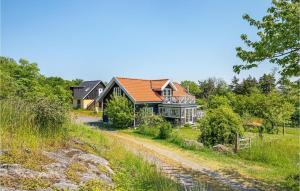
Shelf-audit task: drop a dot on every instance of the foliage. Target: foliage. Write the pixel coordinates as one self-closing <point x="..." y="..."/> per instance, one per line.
<point x="192" y="87"/>
<point x="217" y="101"/>
<point x="267" y="83"/>
<point x="155" y="126"/>
<point x="152" y="131"/>
<point x="49" y="114"/>
<point x="165" y="130"/>
<point x="24" y="80"/>
<point x="246" y="87"/>
<point x="220" y="126"/>
<point x="279" y="38"/>
<point x="120" y="112"/>
<point x="212" y="86"/>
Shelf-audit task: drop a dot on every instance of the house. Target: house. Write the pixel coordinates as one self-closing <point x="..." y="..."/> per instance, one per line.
<point x="85" y="94"/>
<point x="162" y="97"/>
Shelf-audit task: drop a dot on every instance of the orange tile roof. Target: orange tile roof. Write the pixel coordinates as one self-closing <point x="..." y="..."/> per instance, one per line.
<point x="144" y="90"/>
<point x="157" y="84"/>
<point x="181" y="91"/>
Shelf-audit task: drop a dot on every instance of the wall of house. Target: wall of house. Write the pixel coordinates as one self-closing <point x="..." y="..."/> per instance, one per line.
<point x="95" y="92"/>
<point x="85" y="103"/>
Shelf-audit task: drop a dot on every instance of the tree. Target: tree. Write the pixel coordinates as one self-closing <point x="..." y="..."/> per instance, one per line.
<point x="220" y="126"/>
<point x="235" y="86"/>
<point x="217" y="101"/>
<point x="120" y="112"/>
<point x="267" y="83"/>
<point x="279" y="38"/>
<point x="212" y="86"/>
<point x="248" y="85"/>
<point x="24" y="80"/>
<point x="191" y="87"/>
<point x="276" y="111"/>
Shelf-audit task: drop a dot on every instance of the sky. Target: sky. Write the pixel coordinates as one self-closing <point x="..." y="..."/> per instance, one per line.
<point x="150" y="39"/>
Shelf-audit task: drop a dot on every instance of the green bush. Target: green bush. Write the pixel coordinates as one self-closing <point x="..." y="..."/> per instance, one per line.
<point x="150" y="124"/>
<point x="49" y="114"/>
<point x="120" y="112"/>
<point x="155" y="126"/>
<point x="152" y="131"/>
<point x="165" y="130"/>
<point x="219" y="126"/>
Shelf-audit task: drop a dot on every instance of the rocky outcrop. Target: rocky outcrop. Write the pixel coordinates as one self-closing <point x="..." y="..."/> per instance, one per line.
<point x="193" y="144"/>
<point x="222" y="148"/>
<point x="71" y="169"/>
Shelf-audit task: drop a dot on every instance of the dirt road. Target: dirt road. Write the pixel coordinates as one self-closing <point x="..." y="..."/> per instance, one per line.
<point x="178" y="165"/>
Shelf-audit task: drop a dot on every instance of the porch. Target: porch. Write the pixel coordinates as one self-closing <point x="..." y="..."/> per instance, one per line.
<point x="181" y="110"/>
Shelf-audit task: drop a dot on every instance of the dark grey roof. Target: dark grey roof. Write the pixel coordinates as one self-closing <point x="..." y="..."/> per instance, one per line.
<point x="84" y="88"/>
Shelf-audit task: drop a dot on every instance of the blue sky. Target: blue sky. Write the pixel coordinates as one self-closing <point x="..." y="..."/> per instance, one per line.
<point x="94" y="39"/>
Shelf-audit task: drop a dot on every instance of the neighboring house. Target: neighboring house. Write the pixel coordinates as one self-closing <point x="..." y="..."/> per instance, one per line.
<point x="161" y="97"/>
<point x="85" y="94"/>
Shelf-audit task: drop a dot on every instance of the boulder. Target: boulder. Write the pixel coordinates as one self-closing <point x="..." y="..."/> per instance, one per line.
<point x="193" y="144"/>
<point x="221" y="148"/>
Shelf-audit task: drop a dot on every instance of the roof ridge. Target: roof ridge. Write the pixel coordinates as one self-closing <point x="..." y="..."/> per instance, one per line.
<point x="91" y="81"/>
<point x="140" y="79"/>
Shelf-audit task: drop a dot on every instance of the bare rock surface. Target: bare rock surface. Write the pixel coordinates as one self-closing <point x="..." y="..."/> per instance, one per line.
<point x="56" y="173"/>
<point x="221" y="148"/>
<point x="192" y="143"/>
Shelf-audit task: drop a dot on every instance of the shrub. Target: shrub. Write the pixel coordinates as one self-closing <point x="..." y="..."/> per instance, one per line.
<point x="165" y="130"/>
<point x="155" y="126"/>
<point x="152" y="131"/>
<point x="151" y="125"/>
<point x="120" y="112"/>
<point x="219" y="126"/>
<point x="49" y="114"/>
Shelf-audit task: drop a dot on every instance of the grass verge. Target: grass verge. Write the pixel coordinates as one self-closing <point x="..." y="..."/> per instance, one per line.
<point x="274" y="161"/>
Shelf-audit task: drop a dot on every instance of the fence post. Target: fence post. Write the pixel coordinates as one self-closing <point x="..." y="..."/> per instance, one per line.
<point x="249" y="143"/>
<point x="237" y="143"/>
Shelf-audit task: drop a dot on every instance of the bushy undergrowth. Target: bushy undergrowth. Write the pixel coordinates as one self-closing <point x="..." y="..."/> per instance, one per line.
<point x="220" y="126"/>
<point x="155" y="126"/>
<point x="22" y="125"/>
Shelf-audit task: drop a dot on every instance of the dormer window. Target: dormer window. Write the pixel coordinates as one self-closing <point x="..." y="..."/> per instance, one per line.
<point x="167" y="92"/>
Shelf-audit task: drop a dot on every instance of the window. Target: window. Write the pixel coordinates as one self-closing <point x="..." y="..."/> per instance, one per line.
<point x="167" y="92"/>
<point x="117" y="91"/>
<point x="148" y="110"/>
<point x="100" y="90"/>
<point x="161" y="110"/>
<point x="189" y="115"/>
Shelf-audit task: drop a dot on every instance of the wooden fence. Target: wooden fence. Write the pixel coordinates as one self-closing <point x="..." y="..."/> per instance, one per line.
<point x="242" y="143"/>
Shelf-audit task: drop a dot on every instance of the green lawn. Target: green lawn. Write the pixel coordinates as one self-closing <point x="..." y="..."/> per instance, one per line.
<point x="187" y="133"/>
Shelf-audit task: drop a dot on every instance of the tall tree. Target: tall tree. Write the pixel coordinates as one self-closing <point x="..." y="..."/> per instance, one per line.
<point x="212" y="86"/>
<point x="279" y="38"/>
<point x="235" y="86"/>
<point x="248" y="85"/>
<point x="267" y="83"/>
